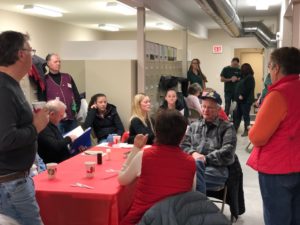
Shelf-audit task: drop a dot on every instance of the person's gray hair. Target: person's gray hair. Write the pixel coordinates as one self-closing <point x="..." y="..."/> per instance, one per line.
<point x="5" y="220"/>
<point x="194" y="88"/>
<point x="55" y="105"/>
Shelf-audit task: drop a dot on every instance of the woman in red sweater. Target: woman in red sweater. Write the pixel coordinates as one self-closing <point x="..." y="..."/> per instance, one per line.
<point x="162" y="170"/>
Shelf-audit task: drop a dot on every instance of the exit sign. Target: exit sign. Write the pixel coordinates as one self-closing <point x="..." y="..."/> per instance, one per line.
<point x="217" y="49"/>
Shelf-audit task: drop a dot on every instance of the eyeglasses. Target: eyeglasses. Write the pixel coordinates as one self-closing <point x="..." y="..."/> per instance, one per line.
<point x="32" y="51"/>
<point x="270" y="65"/>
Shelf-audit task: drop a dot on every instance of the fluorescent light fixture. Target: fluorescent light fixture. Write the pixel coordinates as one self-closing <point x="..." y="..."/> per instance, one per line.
<point x="109" y="27"/>
<point x="164" y="26"/>
<point x="262" y="6"/>
<point x="42" y="11"/>
<point x="121" y="8"/>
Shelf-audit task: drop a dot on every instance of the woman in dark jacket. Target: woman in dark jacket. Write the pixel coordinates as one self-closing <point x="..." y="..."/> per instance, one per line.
<point x="244" y="96"/>
<point x="103" y="118"/>
<point x="171" y="102"/>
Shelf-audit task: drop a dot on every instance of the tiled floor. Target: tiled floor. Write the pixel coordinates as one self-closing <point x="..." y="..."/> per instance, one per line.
<point x="253" y="202"/>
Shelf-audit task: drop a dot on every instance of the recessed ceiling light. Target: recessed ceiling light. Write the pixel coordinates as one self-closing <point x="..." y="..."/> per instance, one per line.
<point x="42" y="11"/>
<point x="121" y="8"/>
<point x="109" y="27"/>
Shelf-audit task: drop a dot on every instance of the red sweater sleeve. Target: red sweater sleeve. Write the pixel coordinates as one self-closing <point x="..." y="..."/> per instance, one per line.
<point x="269" y="117"/>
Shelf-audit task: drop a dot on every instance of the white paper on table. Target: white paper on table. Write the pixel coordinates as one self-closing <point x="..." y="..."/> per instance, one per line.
<point x="103" y="144"/>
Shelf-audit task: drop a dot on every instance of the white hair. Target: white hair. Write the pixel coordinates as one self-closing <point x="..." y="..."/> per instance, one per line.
<point x="55" y="105"/>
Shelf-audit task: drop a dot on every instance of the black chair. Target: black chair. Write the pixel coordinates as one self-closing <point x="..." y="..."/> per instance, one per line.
<point x="190" y="208"/>
<point x="233" y="193"/>
<point x="223" y="200"/>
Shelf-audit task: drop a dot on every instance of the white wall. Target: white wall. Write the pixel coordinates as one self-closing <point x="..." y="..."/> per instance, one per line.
<point x="46" y="35"/>
<point x="211" y="64"/>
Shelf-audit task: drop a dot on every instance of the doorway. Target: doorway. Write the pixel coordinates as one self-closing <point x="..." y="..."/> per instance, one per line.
<point x="255" y="57"/>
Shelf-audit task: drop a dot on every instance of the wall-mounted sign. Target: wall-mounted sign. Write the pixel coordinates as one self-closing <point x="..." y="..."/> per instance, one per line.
<point x="217" y="49"/>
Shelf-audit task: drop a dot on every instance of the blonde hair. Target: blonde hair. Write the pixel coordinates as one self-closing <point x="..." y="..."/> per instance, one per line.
<point x="137" y="111"/>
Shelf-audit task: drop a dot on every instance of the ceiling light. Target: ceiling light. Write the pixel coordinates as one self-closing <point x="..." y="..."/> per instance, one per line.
<point x="109" y="27"/>
<point x="119" y="7"/>
<point x="262" y="5"/>
<point x="42" y="11"/>
<point x="164" y="26"/>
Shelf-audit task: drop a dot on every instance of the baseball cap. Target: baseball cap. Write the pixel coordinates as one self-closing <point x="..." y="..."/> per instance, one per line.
<point x="212" y="95"/>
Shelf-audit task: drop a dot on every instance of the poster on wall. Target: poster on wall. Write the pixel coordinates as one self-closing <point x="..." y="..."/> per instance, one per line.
<point x="217" y="49"/>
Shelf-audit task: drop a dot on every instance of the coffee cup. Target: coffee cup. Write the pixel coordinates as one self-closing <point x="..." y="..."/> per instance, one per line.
<point x="116" y="139"/>
<point x="51" y="170"/>
<point x="38" y="105"/>
<point x="90" y="169"/>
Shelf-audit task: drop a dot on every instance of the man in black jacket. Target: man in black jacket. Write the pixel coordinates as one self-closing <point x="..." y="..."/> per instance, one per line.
<point x="52" y="146"/>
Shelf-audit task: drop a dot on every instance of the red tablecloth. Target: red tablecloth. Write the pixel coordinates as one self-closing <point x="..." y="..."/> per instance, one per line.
<point x="106" y="204"/>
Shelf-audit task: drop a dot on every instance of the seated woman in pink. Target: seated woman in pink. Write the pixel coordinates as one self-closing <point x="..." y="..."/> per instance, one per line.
<point x="162" y="170"/>
<point x="192" y="100"/>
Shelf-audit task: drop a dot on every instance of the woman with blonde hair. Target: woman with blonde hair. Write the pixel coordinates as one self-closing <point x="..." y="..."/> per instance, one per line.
<point x="140" y="121"/>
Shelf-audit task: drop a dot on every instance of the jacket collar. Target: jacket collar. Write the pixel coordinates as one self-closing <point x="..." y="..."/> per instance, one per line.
<point x="285" y="79"/>
<point x="216" y="122"/>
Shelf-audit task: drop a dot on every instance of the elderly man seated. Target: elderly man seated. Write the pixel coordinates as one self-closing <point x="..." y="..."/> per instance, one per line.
<point x="212" y="141"/>
<point x="52" y="146"/>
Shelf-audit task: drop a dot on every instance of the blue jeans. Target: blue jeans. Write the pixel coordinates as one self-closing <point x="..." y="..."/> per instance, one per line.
<point x="67" y="125"/>
<point x="200" y="184"/>
<point x="17" y="200"/>
<point x="215" y="177"/>
<point x="281" y="198"/>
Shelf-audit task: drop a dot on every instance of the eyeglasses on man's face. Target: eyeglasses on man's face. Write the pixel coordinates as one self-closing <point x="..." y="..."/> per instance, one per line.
<point x="270" y="65"/>
<point x="32" y="51"/>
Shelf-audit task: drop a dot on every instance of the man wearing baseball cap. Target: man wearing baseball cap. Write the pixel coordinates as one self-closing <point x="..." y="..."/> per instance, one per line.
<point x="212" y="141"/>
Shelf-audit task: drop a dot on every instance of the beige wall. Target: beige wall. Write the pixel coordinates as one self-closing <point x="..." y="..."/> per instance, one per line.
<point x="211" y="64"/>
<point x="116" y="79"/>
<point x="46" y="35"/>
<point x="76" y="68"/>
<point x="49" y="36"/>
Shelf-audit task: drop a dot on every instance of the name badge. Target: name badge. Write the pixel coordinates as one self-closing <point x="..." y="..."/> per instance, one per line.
<point x="69" y="85"/>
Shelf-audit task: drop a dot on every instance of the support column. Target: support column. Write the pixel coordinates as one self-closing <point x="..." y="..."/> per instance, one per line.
<point x="184" y="38"/>
<point x="141" y="58"/>
<point x="296" y="25"/>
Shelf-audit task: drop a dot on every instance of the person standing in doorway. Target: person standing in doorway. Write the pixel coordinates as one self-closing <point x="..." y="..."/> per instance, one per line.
<point x="230" y="75"/>
<point x="61" y="86"/>
<point x="244" y="96"/>
<point x="18" y="131"/>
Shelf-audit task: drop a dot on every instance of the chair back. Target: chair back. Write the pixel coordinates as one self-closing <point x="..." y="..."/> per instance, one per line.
<point x="183" y="209"/>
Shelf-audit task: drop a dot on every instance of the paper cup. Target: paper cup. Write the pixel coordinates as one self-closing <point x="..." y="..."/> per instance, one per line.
<point x="90" y="169"/>
<point x="117" y="139"/>
<point x="37" y="106"/>
<point x="51" y="170"/>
